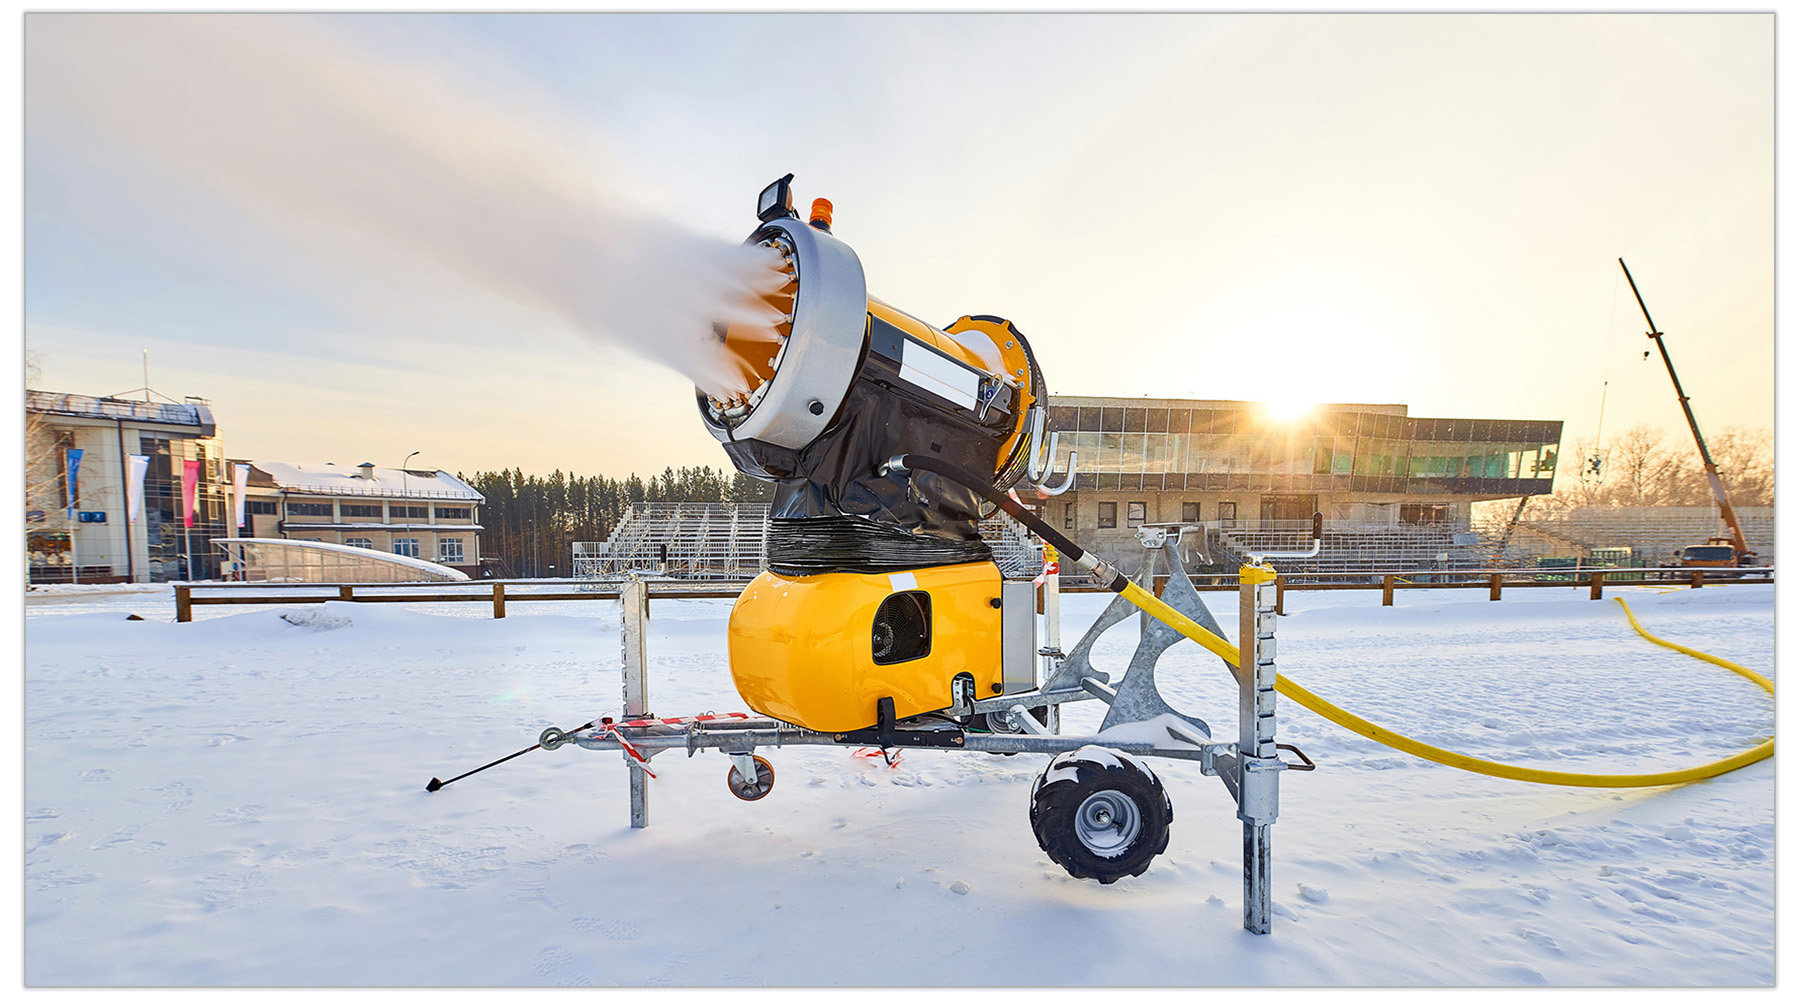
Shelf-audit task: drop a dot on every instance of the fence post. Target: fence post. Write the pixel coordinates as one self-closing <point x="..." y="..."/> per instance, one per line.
<point x="1596" y="581"/>
<point x="1494" y="586"/>
<point x="344" y="592"/>
<point x="634" y="599"/>
<point x="1696" y="581"/>
<point x="1281" y="595"/>
<point x="184" y="603"/>
<point x="1387" y="591"/>
<point x="499" y="599"/>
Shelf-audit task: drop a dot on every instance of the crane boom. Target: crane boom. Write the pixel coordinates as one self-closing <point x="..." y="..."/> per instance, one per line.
<point x="1712" y="470"/>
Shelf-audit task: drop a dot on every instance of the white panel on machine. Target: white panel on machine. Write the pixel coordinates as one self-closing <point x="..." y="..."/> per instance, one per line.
<point x="935" y="373"/>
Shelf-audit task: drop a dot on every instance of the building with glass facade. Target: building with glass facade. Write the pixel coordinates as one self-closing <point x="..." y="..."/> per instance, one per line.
<point x="1230" y="465"/>
<point x="97" y="538"/>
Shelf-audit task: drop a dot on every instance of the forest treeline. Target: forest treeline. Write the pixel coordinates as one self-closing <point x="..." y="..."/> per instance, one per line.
<point x="531" y="521"/>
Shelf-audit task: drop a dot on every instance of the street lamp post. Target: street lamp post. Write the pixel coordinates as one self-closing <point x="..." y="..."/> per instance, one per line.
<point x="406" y="499"/>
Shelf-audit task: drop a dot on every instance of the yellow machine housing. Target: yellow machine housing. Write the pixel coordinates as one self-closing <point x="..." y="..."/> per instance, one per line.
<point x="809" y="649"/>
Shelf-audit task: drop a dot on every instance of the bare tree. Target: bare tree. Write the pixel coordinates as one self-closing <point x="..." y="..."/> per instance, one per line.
<point x="1641" y="468"/>
<point x="1746" y="461"/>
<point x="43" y="454"/>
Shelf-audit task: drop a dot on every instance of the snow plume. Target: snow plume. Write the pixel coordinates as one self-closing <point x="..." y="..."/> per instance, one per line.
<point x="385" y="171"/>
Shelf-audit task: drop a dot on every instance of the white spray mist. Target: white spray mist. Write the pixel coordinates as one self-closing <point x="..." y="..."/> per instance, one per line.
<point x="374" y="167"/>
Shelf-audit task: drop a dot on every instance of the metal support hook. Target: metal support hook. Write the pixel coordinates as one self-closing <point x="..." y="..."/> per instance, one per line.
<point x="1035" y="472"/>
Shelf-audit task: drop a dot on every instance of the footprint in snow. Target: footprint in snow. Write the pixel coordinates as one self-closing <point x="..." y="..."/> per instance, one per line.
<point x="552" y="960"/>
<point x="97" y="774"/>
<point x="617" y="930"/>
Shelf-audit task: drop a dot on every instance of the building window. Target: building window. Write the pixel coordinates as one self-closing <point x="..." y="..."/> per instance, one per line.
<point x="359" y="543"/>
<point x="450" y="550"/>
<point x="260" y="507"/>
<point x="1069" y="515"/>
<point x="1416" y="513"/>
<point x="406" y="547"/>
<point x="453" y="513"/>
<point x="409" y="513"/>
<point x="1109" y="514"/>
<point x="1227" y="513"/>
<point x="1190" y="512"/>
<point x="360" y="510"/>
<point x="309" y="510"/>
<point x="1134" y="513"/>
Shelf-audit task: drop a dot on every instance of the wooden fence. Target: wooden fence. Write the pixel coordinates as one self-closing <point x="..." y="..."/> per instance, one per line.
<point x="189" y="595"/>
<point x="1494" y="581"/>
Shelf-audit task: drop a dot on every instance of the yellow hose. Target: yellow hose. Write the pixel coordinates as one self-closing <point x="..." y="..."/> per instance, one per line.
<point x="1363" y="727"/>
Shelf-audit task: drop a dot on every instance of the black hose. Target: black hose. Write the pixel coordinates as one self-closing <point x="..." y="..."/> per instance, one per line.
<point x="1109" y="576"/>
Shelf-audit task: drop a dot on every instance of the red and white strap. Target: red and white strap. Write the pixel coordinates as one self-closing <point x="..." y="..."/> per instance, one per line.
<point x="612" y="730"/>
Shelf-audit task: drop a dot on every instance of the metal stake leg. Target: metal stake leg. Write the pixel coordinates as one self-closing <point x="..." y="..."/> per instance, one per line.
<point x="1258" y="758"/>
<point x="634" y="614"/>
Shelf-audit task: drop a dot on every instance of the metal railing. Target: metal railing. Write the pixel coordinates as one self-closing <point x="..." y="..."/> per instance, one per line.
<point x="694" y="541"/>
<point x="108" y="408"/>
<point x="190" y="595"/>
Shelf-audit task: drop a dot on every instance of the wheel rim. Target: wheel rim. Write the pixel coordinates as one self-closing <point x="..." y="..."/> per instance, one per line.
<point x="1107" y="823"/>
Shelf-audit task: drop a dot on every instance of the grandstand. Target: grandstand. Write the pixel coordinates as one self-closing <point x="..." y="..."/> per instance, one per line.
<point x="1653" y="534"/>
<point x="724" y="541"/>
<point x="688" y="541"/>
<point x="1345" y="547"/>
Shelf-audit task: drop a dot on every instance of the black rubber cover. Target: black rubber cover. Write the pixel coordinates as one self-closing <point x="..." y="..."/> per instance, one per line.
<point x="802" y="546"/>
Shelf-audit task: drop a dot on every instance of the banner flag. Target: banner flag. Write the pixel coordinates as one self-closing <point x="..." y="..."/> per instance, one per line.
<point x="135" y="467"/>
<point x="241" y="481"/>
<point x="190" y="486"/>
<point x="74" y="469"/>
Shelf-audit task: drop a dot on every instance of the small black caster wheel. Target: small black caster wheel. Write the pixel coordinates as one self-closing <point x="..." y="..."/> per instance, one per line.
<point x="765" y="780"/>
<point x="1101" y="814"/>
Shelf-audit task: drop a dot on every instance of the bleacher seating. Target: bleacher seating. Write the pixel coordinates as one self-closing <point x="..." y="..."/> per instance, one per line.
<point x="709" y="541"/>
<point x="725" y="542"/>
<point x="1349" y="547"/>
<point x="689" y="541"/>
<point x="1652" y="533"/>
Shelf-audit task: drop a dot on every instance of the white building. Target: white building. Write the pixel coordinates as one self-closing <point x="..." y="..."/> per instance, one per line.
<point x="422" y="513"/>
<point x="94" y="540"/>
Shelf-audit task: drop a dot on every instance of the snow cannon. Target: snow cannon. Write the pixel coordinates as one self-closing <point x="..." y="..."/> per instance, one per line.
<point x="881" y="601"/>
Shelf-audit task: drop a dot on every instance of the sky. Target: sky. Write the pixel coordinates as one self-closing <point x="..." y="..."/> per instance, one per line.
<point x="486" y="237"/>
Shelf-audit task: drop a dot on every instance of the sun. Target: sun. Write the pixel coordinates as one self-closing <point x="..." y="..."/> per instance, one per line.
<point x="1287" y="409"/>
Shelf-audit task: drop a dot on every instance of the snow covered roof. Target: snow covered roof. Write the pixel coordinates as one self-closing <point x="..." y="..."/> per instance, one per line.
<point x="347" y="480"/>
<point x="403" y="526"/>
<point x="194" y="413"/>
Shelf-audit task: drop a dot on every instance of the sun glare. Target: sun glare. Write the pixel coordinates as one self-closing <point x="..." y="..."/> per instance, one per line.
<point x="1287" y="410"/>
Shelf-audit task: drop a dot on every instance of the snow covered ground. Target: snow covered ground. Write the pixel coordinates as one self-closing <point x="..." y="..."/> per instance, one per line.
<point x="240" y="801"/>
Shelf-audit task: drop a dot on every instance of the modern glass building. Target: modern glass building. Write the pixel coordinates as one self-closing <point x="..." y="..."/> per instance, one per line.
<point x="1229" y="464"/>
<point x="99" y="532"/>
